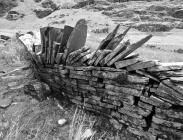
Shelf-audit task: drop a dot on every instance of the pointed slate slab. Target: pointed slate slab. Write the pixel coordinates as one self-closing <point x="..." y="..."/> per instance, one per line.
<point x="116" y="51"/>
<point x="77" y="39"/>
<point x="46" y="37"/>
<point x="78" y="36"/>
<point x="129" y="50"/>
<point x="107" y="40"/>
<point x="43" y="42"/>
<point x="115" y="41"/>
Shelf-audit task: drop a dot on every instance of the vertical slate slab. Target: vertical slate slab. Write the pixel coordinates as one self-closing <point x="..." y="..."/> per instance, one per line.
<point x="66" y="34"/>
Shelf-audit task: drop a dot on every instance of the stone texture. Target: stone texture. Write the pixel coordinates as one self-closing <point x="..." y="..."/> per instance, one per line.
<point x="43" y="12"/>
<point x="4" y="103"/>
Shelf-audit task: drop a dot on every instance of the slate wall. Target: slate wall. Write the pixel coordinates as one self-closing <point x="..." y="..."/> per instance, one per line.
<point x="145" y="107"/>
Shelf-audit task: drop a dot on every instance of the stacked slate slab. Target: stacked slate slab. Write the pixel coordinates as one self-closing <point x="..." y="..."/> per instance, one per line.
<point x="143" y="96"/>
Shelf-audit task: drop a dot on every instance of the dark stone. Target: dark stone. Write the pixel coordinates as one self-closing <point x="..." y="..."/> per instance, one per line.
<point x="14" y="15"/>
<point x="43" y="12"/>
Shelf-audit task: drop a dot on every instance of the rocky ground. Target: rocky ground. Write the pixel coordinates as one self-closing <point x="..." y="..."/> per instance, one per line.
<point x="164" y="19"/>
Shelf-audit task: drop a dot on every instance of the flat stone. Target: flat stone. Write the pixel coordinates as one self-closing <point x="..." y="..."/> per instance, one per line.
<point x="138" y="79"/>
<point x="169" y="113"/>
<point x="141" y="65"/>
<point x="169" y="93"/>
<point x="145" y="105"/>
<point x="170" y="132"/>
<point x="125" y="63"/>
<point x="136" y="110"/>
<point x="125" y="90"/>
<point x="166" y="123"/>
<point x="129" y="113"/>
<point x="124" y="84"/>
<point x="4" y="103"/>
<point x="152" y="100"/>
<point x="130" y="118"/>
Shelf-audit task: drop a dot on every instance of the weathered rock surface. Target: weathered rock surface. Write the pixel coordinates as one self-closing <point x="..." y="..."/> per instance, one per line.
<point x="14" y="15"/>
<point x="4" y="103"/>
<point x="43" y="12"/>
<point x="5" y="6"/>
<point x="49" y="4"/>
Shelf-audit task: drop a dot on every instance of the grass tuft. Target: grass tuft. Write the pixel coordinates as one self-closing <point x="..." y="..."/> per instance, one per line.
<point x="81" y="127"/>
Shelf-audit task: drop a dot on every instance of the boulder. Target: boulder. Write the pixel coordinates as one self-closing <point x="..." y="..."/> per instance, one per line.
<point x="14" y="15"/>
<point x="43" y="12"/>
<point x="49" y="4"/>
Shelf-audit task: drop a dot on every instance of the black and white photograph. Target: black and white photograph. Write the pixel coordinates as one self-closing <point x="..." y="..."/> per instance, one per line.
<point x="91" y="69"/>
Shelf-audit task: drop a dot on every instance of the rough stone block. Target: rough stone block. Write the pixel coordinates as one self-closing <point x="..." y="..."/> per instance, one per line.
<point x="107" y="74"/>
<point x="124" y="90"/>
<point x="136" y="109"/>
<point x="155" y="101"/>
<point x="145" y="105"/>
<point x="166" y="123"/>
<point x="110" y="101"/>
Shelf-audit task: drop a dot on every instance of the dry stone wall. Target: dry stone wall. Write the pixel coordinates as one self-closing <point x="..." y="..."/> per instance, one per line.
<point x="144" y="106"/>
<point x="145" y="97"/>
